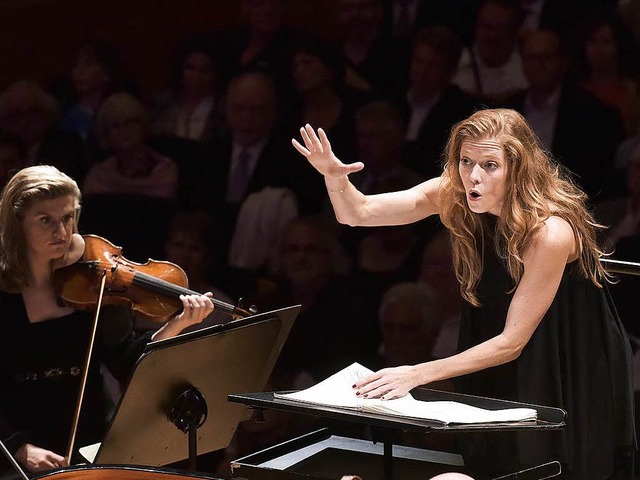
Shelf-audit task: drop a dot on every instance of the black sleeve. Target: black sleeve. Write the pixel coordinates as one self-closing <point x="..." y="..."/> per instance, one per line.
<point x="119" y="346"/>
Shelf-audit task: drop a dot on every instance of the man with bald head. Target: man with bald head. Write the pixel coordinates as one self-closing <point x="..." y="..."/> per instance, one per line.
<point x="250" y="156"/>
<point x="579" y="130"/>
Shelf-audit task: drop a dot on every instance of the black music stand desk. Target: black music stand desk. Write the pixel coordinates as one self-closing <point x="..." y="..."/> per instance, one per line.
<point x="175" y="405"/>
<point x="313" y="455"/>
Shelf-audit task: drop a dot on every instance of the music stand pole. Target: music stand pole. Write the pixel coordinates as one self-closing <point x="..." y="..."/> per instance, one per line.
<point x="189" y="412"/>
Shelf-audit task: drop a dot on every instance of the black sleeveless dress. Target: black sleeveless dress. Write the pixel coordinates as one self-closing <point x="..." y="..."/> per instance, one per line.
<point x="578" y="359"/>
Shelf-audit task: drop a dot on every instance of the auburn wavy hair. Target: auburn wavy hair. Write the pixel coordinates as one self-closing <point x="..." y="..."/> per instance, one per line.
<point x="27" y="186"/>
<point x="537" y="187"/>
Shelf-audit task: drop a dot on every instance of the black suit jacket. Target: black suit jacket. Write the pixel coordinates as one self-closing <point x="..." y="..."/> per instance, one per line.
<point x="424" y="155"/>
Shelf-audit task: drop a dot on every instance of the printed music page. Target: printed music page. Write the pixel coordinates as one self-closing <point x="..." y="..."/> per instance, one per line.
<point x="337" y="391"/>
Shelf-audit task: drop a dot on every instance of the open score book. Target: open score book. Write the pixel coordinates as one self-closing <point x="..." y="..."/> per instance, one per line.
<point x="337" y="391"/>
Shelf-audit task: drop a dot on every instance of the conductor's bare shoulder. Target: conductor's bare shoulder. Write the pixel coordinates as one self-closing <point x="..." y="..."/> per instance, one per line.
<point x="556" y="237"/>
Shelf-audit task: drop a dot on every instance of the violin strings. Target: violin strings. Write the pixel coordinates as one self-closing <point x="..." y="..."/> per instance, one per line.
<point x="162" y="286"/>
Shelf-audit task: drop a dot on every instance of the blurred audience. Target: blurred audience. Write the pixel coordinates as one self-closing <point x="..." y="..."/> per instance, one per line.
<point x="30" y="113"/>
<point x="380" y="129"/>
<point x="263" y="41"/>
<point x="437" y="272"/>
<point x="374" y="59"/>
<point x="491" y="68"/>
<point x="312" y="273"/>
<point x="606" y="64"/>
<point x="191" y="243"/>
<point x="563" y="115"/>
<point x="622" y="214"/>
<point x="11" y="156"/>
<point x="194" y="108"/>
<point x="95" y="74"/>
<point x="323" y="98"/>
<point x="432" y="102"/>
<point x="410" y="320"/>
<point x="404" y="18"/>
<point x="133" y="168"/>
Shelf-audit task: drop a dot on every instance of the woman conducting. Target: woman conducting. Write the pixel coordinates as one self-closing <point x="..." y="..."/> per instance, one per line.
<point x="539" y="325"/>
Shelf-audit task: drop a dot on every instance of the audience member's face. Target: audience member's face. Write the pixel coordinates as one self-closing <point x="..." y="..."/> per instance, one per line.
<point x="430" y="73"/>
<point x="542" y="62"/>
<point x="251" y="110"/>
<point x="125" y="133"/>
<point x="305" y="256"/>
<point x="24" y="117"/>
<point x="406" y="337"/>
<point x="88" y="74"/>
<point x="264" y="16"/>
<point x="496" y="34"/>
<point x="601" y="49"/>
<point x="309" y="73"/>
<point x="187" y="250"/>
<point x="378" y="142"/>
<point x="358" y="18"/>
<point x="198" y="74"/>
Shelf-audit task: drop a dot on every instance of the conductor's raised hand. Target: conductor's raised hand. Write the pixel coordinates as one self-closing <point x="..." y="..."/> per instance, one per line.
<point x="388" y="383"/>
<point x="317" y="150"/>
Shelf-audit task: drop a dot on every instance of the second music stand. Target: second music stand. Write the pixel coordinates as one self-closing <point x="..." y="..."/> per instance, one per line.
<point x="180" y="385"/>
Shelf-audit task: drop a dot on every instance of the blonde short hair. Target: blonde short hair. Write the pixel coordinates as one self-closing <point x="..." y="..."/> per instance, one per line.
<point x="119" y="107"/>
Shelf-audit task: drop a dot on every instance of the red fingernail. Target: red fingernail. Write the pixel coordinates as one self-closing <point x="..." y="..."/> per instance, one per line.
<point x="353" y="386"/>
<point x="365" y="395"/>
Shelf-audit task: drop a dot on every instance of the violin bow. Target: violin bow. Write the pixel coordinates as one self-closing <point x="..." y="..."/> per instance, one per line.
<point x="16" y="466"/>
<point x="85" y="372"/>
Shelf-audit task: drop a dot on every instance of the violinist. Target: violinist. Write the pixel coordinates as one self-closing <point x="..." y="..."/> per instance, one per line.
<point x="44" y="343"/>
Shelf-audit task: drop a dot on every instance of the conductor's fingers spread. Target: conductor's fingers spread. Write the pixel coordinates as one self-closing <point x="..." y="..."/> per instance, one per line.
<point x="324" y="140"/>
<point x="315" y="145"/>
<point x="300" y="148"/>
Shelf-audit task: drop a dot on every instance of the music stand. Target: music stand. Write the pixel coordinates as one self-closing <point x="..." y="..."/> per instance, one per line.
<point x="177" y="380"/>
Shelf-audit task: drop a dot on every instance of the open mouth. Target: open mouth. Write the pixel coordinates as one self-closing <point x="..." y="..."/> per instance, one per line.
<point x="474" y="195"/>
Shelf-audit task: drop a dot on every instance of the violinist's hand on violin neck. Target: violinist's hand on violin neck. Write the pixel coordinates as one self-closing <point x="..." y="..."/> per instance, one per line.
<point x="195" y="308"/>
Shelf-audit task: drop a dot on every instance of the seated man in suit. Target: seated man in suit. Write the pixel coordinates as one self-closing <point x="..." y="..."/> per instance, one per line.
<point x="581" y="132"/>
<point x="433" y="103"/>
<point x="251" y="156"/>
<point x="491" y="68"/>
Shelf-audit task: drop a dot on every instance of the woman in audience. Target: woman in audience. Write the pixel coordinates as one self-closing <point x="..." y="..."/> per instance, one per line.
<point x="323" y="99"/>
<point x="94" y="76"/>
<point x="194" y="110"/>
<point x="133" y="167"/>
<point x="607" y="66"/>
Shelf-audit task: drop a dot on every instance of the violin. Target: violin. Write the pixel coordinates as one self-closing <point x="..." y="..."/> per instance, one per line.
<point x="117" y="472"/>
<point x="151" y="290"/>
